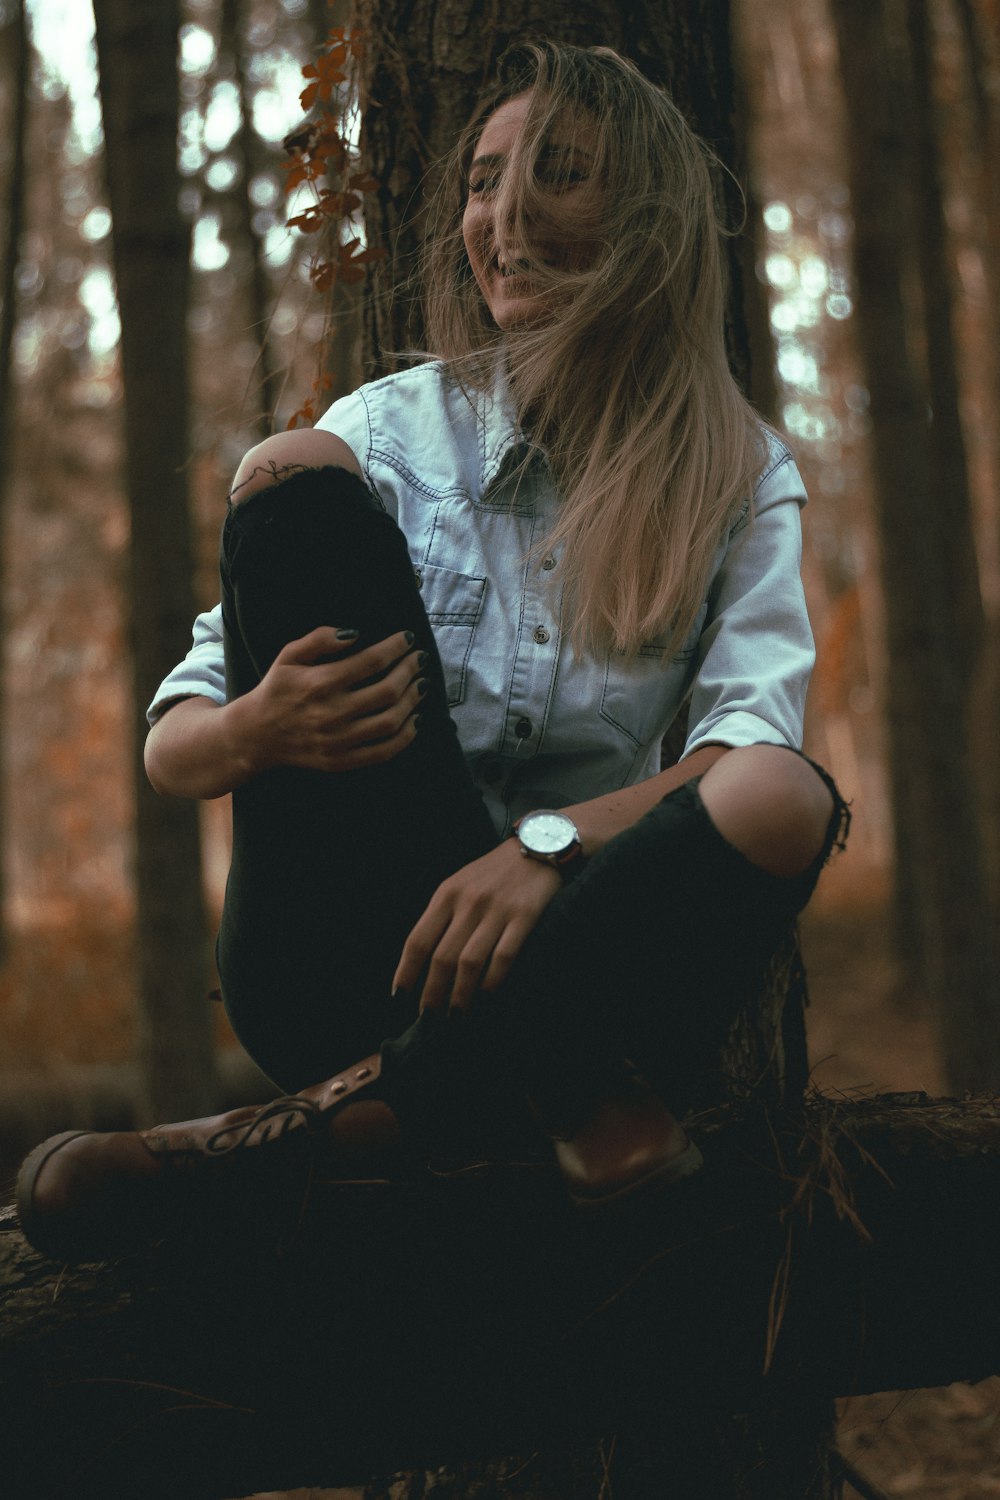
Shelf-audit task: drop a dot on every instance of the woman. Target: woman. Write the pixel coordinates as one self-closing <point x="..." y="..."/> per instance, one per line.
<point x="457" y="619"/>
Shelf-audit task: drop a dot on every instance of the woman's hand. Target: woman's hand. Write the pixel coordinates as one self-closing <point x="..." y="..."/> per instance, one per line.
<point x="326" y="711"/>
<point x="475" y="926"/>
<point x="316" y="707"/>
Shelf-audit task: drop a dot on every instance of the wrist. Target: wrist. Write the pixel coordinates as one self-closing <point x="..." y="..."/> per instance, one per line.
<point x="247" y="750"/>
<point x="550" y="837"/>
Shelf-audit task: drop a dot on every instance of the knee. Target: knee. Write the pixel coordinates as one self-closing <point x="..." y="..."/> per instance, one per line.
<point x="771" y="805"/>
<point x="287" y="453"/>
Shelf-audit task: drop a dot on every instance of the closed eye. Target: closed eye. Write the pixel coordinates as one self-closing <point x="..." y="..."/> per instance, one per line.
<point x="486" y="183"/>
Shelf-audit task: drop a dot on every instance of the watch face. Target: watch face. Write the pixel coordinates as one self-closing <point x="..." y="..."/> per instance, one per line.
<point x="547" y="832"/>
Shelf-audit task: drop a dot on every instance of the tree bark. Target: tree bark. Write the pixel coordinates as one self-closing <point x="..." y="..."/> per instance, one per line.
<point x="266" y="385"/>
<point x="980" y="57"/>
<point x="137" y="56"/>
<point x="939" y="846"/>
<point x="15" y="61"/>
<point x="425" y="64"/>
<point x="838" y="1252"/>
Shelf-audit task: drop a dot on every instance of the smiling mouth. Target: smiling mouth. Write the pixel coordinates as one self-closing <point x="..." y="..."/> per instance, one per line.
<point x="509" y="269"/>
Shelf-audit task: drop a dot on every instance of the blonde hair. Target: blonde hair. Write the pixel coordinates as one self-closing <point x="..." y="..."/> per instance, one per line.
<point x="626" y="384"/>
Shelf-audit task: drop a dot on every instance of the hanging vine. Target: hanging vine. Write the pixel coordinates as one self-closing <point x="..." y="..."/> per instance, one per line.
<point x="324" y="160"/>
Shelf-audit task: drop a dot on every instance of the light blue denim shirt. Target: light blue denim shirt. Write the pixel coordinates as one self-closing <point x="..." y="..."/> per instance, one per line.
<point x="539" y="727"/>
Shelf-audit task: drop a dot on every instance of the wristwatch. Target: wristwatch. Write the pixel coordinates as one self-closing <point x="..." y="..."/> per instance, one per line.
<point x="553" y="839"/>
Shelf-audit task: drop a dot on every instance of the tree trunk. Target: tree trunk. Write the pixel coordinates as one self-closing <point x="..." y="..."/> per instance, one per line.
<point x="265" y="387"/>
<point x="15" y="60"/>
<point x="938" y="834"/>
<point x="425" y="63"/>
<point x="137" y="55"/>
<point x="843" y="1251"/>
<point x="980" y="56"/>
<point x="949" y="476"/>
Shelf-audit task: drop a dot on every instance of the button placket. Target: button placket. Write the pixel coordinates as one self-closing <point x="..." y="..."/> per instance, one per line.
<point x="533" y="670"/>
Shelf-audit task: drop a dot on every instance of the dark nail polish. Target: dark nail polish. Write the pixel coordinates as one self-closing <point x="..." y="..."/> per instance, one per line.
<point x="422" y="686"/>
<point x="422" y="660"/>
<point x="348" y="635"/>
<point x="410" y="637"/>
<point x="416" y="720"/>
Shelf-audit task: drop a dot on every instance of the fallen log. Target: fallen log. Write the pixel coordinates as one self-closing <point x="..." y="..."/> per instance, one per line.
<point x="471" y="1313"/>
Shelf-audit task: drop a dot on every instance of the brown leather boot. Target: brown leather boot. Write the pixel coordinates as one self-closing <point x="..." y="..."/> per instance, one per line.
<point x="622" y="1142"/>
<point x="87" y="1196"/>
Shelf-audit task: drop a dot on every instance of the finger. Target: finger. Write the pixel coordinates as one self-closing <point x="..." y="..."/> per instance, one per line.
<point x="323" y="642"/>
<point x="420" y="944"/>
<point x="354" y="733"/>
<point x="507" y="948"/>
<point x="376" y="660"/>
<point x="399" y="685"/>
<point x="446" y="960"/>
<point x="473" y="962"/>
<point x="368" y="753"/>
<point x="459" y="959"/>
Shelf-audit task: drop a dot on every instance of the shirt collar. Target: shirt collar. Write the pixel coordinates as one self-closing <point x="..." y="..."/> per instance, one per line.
<point x="502" y="441"/>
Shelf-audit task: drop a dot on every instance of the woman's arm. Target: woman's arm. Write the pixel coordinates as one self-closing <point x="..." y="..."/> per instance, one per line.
<point x="478" y="919"/>
<point x="195" y="749"/>
<point x="309" y="710"/>
<point x="602" y="817"/>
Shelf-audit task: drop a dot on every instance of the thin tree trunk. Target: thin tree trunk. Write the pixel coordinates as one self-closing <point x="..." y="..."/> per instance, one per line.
<point x="984" y="149"/>
<point x="16" y="56"/>
<point x="938" y="835"/>
<point x="137" y="56"/>
<point x="266" y="384"/>
<point x="952" y="508"/>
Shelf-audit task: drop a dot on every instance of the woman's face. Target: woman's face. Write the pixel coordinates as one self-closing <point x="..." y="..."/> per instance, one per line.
<point x="502" y="267"/>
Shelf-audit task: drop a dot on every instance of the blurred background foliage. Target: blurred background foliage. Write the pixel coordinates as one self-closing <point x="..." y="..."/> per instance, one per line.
<point x="257" y="335"/>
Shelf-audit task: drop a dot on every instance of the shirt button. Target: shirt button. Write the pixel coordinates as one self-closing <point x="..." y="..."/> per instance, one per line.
<point x="522" y="728"/>
<point x="541" y="635"/>
<point x="419" y="578"/>
<point x="548" y="563"/>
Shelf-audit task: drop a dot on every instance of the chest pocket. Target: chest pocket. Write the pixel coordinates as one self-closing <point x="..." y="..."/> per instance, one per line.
<point x="453" y="602"/>
<point x="642" y="693"/>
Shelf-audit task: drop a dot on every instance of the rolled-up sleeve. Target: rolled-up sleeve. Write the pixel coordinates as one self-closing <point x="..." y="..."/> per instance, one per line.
<point x="202" y="673"/>
<point x="756" y="650"/>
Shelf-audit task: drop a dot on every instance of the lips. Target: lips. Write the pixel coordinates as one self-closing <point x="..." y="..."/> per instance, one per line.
<point x="512" y="265"/>
<point x="509" y="266"/>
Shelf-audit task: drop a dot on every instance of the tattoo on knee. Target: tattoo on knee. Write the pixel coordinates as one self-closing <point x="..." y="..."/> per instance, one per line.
<point x="274" y="473"/>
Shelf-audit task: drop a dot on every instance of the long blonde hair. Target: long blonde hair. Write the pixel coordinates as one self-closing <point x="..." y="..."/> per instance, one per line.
<point x="626" y="386"/>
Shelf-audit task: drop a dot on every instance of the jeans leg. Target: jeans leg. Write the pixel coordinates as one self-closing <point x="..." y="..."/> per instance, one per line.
<point x="331" y="870"/>
<point x="649" y="954"/>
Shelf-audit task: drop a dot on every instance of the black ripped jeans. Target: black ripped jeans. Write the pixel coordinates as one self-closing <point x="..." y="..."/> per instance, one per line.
<point x="647" y="954"/>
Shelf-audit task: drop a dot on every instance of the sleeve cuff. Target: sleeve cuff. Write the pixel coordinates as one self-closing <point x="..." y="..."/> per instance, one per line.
<point x="736" y="730"/>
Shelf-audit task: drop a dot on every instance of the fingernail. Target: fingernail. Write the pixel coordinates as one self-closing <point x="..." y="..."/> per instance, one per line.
<point x="417" y="720"/>
<point x="410" y="637"/>
<point x="422" y="686"/>
<point x="348" y="635"/>
<point x="422" y="660"/>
